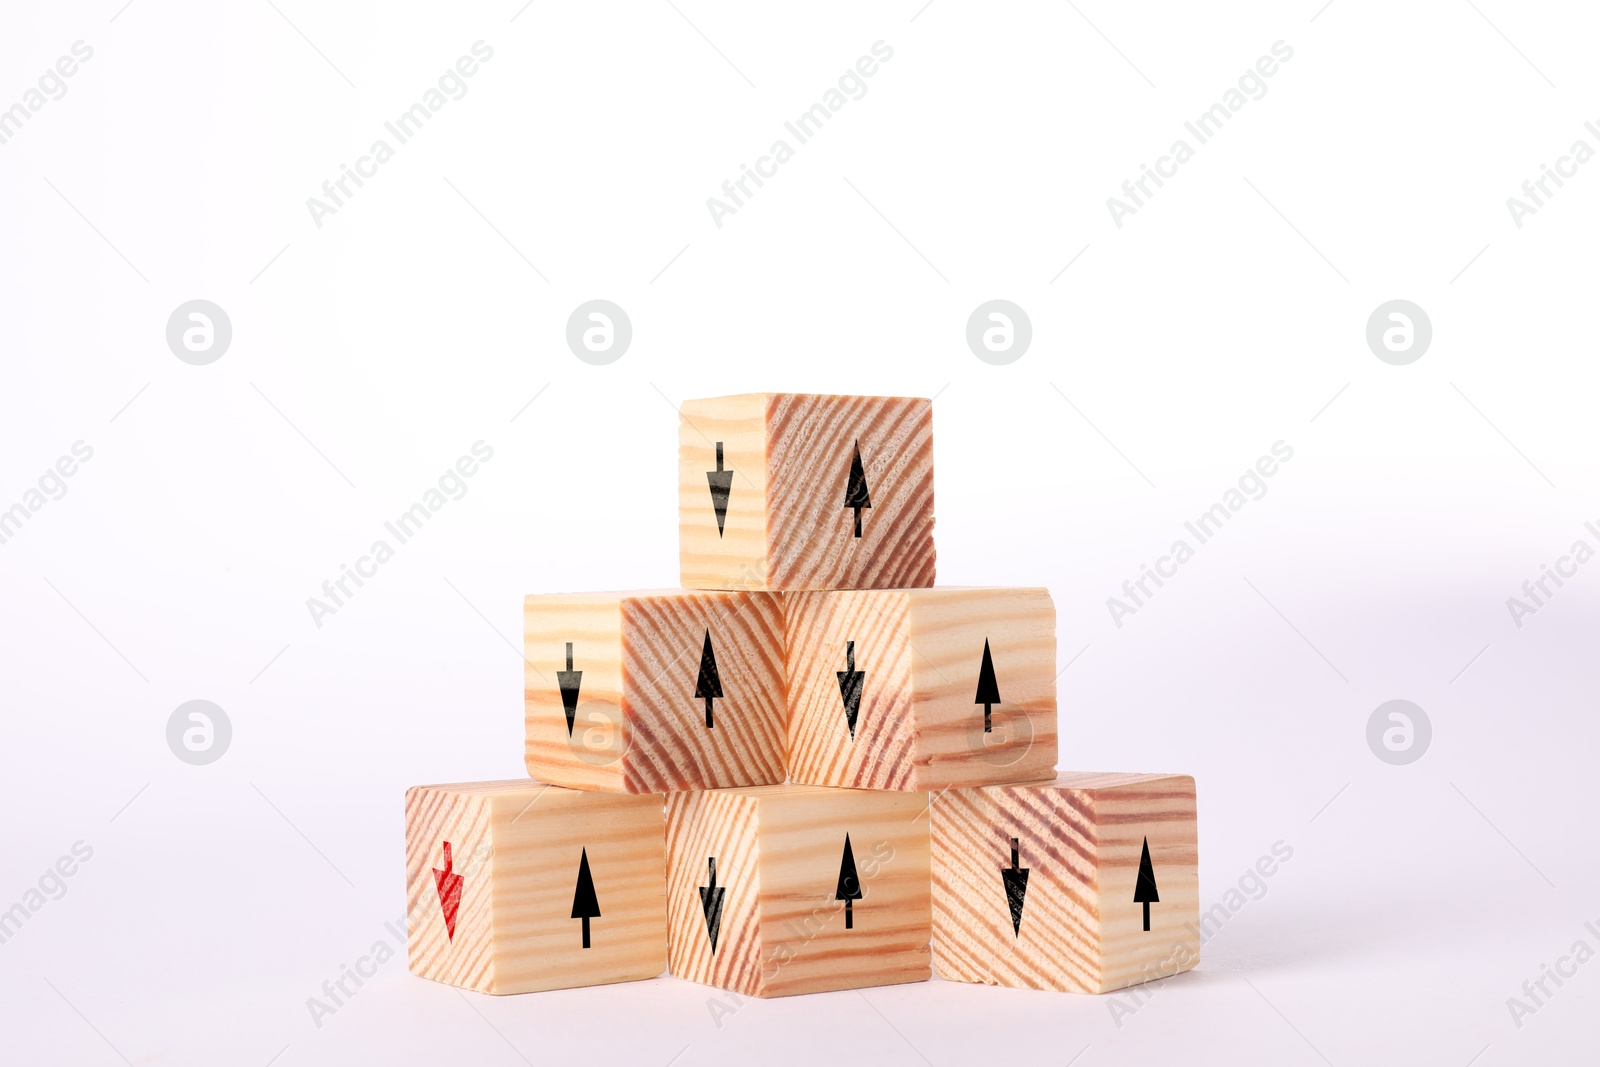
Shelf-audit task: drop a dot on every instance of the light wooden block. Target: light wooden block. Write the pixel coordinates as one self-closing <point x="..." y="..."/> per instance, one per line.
<point x="763" y="869"/>
<point x="911" y="664"/>
<point x="804" y="491"/>
<point x="517" y="886"/>
<point x="1070" y="853"/>
<point x="654" y="691"/>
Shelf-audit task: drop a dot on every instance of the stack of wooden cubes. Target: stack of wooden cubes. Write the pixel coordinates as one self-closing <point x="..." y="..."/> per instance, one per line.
<point x="810" y="768"/>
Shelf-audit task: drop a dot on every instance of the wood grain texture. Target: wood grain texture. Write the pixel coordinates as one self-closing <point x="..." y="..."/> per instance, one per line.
<point x="1080" y="837"/>
<point x="517" y="846"/>
<point x="779" y="852"/>
<point x="714" y="825"/>
<point x="638" y="726"/>
<point x="919" y="726"/>
<point x="787" y="524"/>
<point x="734" y="557"/>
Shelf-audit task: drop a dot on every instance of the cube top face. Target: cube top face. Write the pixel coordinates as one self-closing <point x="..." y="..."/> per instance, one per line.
<point x="1048" y="886"/>
<point x="921" y="689"/>
<point x="806" y="491"/>
<point x="654" y="691"/>
<point x="516" y="886"/>
<point x="819" y="889"/>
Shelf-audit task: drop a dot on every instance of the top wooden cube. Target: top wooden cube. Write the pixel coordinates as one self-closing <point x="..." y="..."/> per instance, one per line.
<point x="802" y="491"/>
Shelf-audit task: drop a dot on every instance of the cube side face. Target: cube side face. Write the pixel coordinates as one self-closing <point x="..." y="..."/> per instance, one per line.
<point x="849" y="649"/>
<point x="734" y="555"/>
<point x="713" y="890"/>
<point x="831" y="924"/>
<point x="559" y="852"/>
<point x="1159" y="809"/>
<point x="950" y="631"/>
<point x="449" y="894"/>
<point x="1032" y="926"/>
<point x="587" y="753"/>
<point x="816" y="493"/>
<point x="685" y="652"/>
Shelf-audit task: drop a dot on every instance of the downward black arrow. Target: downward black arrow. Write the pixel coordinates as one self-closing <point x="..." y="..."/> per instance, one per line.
<point x="850" y="685"/>
<point x="1016" y="883"/>
<point x="711" y="903"/>
<point x="569" y="680"/>
<point x="721" y="483"/>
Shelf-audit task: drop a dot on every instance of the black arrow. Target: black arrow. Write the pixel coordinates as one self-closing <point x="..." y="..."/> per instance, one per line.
<point x="849" y="889"/>
<point x="569" y="680"/>
<point x="721" y="482"/>
<point x="709" y="684"/>
<point x="850" y="683"/>
<point x="711" y="903"/>
<point x="988" y="688"/>
<point x="1016" y="883"/>
<point x="855" y="490"/>
<point x="585" y="905"/>
<point x="1144" y="890"/>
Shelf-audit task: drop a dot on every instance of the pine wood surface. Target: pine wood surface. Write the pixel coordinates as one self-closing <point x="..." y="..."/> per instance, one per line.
<point x="779" y="853"/>
<point x="919" y="725"/>
<point x="638" y="726"/>
<point x="517" y="847"/>
<point x="1081" y="839"/>
<point x="787" y="522"/>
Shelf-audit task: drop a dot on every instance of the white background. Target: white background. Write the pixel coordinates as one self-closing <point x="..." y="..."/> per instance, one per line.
<point x="368" y="354"/>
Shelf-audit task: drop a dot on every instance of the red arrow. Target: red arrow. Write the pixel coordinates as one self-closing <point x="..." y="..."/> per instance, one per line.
<point x="448" y="883"/>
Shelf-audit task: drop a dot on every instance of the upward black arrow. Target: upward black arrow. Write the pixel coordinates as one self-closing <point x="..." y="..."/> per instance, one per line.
<point x="855" y="491"/>
<point x="585" y="905"/>
<point x="721" y="482"/>
<point x="711" y="903"/>
<point x="709" y="684"/>
<point x="988" y="688"/>
<point x="849" y="889"/>
<point x="1015" y="880"/>
<point x="569" y="680"/>
<point x="1144" y="889"/>
<point x="850" y="685"/>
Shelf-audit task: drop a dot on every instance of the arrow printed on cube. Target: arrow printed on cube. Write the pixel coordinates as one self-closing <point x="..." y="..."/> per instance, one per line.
<point x="448" y="883"/>
<point x="585" y="905"/>
<point x="851" y="682"/>
<point x="711" y="902"/>
<point x="988" y="688"/>
<point x="849" y="889"/>
<point x="708" y="685"/>
<point x="1144" y="890"/>
<point x="1015" y="880"/>
<point x="721" y="482"/>
<point x="856" y="494"/>
<point x="569" y="680"/>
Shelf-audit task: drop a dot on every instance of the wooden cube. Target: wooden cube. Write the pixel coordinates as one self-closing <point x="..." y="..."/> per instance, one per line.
<point x="1085" y="884"/>
<point x="778" y="890"/>
<point x="801" y="491"/>
<point x="655" y="691"/>
<point x="517" y="886"/>
<point x="921" y="688"/>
